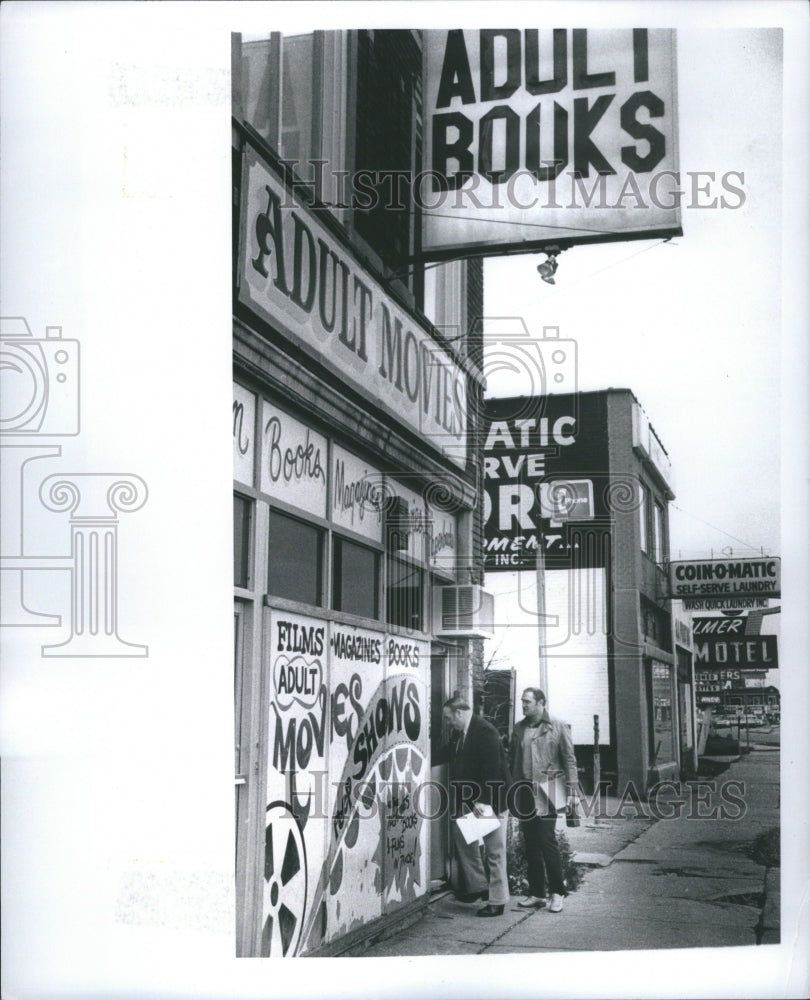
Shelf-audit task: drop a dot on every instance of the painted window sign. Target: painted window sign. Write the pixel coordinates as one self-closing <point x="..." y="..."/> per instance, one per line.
<point x="297" y="755"/>
<point x="346" y="755"/>
<point x="565" y="134"/>
<point x="296" y="274"/>
<point x="443" y="542"/>
<point x="293" y="461"/>
<point x="413" y="518"/>
<point x="244" y="443"/>
<point x="356" y="497"/>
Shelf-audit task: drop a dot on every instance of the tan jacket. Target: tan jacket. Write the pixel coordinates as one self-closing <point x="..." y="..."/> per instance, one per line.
<point x="552" y="764"/>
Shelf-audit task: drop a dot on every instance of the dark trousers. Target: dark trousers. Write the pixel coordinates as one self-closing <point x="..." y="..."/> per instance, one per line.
<point x="542" y="855"/>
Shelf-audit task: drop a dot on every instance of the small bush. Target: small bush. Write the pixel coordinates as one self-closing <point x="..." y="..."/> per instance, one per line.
<point x="765" y="849"/>
<point x="516" y="861"/>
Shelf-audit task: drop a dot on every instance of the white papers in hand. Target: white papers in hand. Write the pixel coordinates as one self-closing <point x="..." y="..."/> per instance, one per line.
<point x="475" y="828"/>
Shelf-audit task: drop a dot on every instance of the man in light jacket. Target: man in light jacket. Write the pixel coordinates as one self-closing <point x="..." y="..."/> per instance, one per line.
<point x="542" y="761"/>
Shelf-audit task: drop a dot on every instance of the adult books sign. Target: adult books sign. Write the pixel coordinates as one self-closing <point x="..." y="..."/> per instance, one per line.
<point x="540" y="135"/>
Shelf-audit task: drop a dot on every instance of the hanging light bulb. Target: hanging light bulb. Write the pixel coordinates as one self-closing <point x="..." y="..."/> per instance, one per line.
<point x="548" y="268"/>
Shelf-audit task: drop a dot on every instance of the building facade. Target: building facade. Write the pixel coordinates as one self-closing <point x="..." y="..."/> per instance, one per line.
<point x="357" y="522"/>
<point x="577" y="539"/>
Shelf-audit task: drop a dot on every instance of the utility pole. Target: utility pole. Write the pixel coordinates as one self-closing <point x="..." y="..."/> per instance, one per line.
<point x="542" y="659"/>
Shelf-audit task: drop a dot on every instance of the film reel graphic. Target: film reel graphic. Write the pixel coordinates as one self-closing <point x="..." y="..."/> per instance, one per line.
<point x="285" y="883"/>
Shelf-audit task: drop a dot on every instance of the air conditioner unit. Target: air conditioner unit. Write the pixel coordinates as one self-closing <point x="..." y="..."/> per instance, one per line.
<point x="464" y="610"/>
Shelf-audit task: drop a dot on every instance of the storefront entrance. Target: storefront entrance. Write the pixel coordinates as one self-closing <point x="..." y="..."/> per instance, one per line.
<point x="446" y="675"/>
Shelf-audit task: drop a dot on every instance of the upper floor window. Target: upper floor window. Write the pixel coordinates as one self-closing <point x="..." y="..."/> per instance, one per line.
<point x="644" y="517"/>
<point x="659" y="542"/>
<point x="280" y="82"/>
<point x="297" y="109"/>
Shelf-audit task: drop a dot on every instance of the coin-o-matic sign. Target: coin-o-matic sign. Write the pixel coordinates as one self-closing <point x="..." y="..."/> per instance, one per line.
<point x="539" y="135"/>
<point x="725" y="578"/>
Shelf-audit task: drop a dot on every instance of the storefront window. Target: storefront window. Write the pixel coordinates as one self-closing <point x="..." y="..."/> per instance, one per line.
<point x="663" y="718"/>
<point x="296" y="560"/>
<point x="404" y="594"/>
<point x="242" y="514"/>
<point x="355" y="579"/>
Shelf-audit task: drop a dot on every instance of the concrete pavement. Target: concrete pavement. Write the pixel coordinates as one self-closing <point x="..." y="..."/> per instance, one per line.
<point x="673" y="875"/>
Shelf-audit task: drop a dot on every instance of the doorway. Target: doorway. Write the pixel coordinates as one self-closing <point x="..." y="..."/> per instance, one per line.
<point x="447" y="671"/>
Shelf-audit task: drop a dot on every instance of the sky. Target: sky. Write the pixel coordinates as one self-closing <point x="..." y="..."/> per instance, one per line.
<point x="693" y="326"/>
<point x="115" y="137"/>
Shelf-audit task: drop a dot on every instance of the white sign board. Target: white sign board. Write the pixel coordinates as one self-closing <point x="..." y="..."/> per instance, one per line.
<point x="540" y="135"/>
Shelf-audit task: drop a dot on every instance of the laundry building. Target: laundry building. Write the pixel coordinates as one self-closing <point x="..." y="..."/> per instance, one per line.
<point x="357" y="522"/>
<point x="577" y="540"/>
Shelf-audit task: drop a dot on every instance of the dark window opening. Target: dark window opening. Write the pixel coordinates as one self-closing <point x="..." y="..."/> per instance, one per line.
<point x="242" y="517"/>
<point x="296" y="560"/>
<point x="355" y="579"/>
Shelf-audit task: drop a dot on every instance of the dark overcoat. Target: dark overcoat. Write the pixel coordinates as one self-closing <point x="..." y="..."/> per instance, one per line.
<point x="479" y="771"/>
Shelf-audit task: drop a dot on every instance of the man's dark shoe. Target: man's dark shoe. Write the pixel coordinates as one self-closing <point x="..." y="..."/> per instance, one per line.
<point x="491" y="910"/>
<point x="472" y="897"/>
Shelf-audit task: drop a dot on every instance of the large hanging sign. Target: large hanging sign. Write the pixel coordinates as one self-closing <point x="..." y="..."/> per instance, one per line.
<point x="303" y="280"/>
<point x="533" y="137"/>
<point x="546" y="482"/>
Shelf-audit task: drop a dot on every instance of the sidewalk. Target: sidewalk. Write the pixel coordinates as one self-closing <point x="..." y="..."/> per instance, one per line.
<point x="684" y="882"/>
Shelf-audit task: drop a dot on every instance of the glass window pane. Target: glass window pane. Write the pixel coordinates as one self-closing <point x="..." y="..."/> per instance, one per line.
<point x="260" y="84"/>
<point x="663" y="721"/>
<point x="296" y="101"/>
<point x="242" y="510"/>
<point x="355" y="579"/>
<point x="643" y="514"/>
<point x="659" y="534"/>
<point x="404" y="595"/>
<point x="296" y="560"/>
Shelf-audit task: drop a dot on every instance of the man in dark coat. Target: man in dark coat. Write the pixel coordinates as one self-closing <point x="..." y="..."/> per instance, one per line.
<point x="479" y="783"/>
